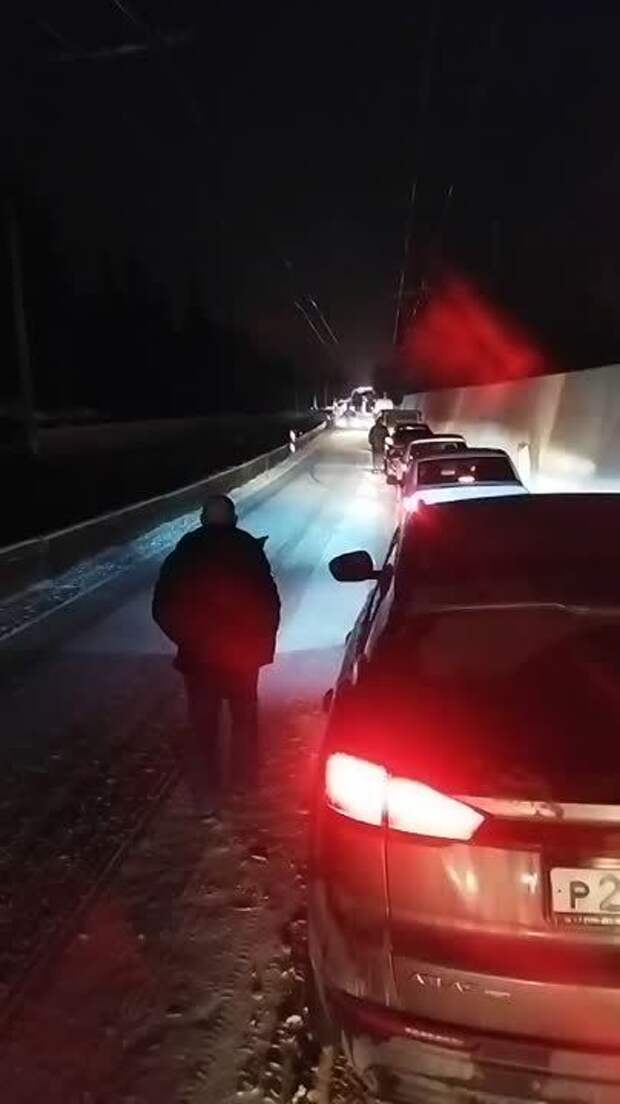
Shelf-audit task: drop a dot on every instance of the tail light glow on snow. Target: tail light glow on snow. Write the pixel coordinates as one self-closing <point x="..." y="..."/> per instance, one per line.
<point x="365" y="792"/>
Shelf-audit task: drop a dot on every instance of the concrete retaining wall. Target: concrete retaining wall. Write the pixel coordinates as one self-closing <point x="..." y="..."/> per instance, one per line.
<point x="562" y="430"/>
<point x="41" y="558"/>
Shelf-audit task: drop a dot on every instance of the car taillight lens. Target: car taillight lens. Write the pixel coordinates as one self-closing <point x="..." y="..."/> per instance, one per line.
<point x="356" y="788"/>
<point x="366" y="792"/>
<point x="414" y="807"/>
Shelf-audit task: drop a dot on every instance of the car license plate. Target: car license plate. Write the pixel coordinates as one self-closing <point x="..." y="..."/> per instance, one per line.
<point x="585" y="896"/>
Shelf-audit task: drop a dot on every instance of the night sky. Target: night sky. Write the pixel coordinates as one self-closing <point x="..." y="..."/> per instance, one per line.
<point x="272" y="132"/>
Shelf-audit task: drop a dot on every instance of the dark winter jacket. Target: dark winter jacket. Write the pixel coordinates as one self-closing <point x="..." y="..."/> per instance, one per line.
<point x="376" y="436"/>
<point x="216" y="599"/>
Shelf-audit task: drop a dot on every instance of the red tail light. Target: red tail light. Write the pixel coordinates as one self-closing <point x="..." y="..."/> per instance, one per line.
<point x="356" y="788"/>
<point x="414" y="807"/>
<point x="366" y="792"/>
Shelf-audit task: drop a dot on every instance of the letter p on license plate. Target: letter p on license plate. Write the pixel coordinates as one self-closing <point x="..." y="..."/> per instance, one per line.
<point x="585" y="896"/>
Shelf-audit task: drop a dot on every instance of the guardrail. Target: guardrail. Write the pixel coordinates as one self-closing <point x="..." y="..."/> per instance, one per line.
<point x="42" y="558"/>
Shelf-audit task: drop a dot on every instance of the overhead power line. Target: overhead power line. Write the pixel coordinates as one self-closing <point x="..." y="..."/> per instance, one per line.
<point x="310" y="304"/>
<point x="311" y="324"/>
<point x="153" y="42"/>
<point x="463" y="156"/>
<point x="129" y="14"/>
<point x="58" y="37"/>
<point x="126" y="49"/>
<point x="324" y="320"/>
<point x="157" y="41"/>
<point x="424" y="90"/>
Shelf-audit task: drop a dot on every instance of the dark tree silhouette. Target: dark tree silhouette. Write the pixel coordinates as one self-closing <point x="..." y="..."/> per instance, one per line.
<point x="114" y="347"/>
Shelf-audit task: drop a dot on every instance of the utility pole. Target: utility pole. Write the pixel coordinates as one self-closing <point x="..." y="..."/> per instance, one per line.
<point x="22" y="344"/>
<point x="405" y="262"/>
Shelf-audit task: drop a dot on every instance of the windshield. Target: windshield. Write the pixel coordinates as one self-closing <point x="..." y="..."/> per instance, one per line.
<point x="487" y="469"/>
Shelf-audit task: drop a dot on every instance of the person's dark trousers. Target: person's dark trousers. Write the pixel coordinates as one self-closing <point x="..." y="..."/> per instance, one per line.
<point x="207" y="689"/>
<point x="377" y="459"/>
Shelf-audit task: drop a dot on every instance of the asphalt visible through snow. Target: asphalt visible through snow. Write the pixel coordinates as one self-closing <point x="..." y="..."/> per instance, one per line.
<point x="147" y="957"/>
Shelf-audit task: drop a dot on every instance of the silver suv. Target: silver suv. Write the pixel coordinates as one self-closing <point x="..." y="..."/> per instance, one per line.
<point x="465" y="892"/>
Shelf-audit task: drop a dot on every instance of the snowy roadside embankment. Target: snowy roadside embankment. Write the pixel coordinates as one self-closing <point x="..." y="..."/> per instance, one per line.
<point x="35" y="602"/>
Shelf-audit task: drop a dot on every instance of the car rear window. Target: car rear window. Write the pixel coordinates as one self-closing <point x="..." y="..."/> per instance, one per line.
<point x="404" y="434"/>
<point x="438" y="446"/>
<point x="487" y="469"/>
<point x="519" y="703"/>
<point x="467" y="556"/>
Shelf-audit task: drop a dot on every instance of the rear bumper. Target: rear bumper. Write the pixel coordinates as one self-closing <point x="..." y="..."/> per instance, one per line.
<point x="417" y="1061"/>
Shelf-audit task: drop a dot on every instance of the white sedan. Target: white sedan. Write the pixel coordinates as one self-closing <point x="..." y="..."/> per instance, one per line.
<point x="469" y="473"/>
<point x="437" y="444"/>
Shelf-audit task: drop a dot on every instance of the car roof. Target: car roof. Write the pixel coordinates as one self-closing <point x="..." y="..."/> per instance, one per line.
<point x="467" y="452"/>
<point x="404" y="415"/>
<point x="463" y="454"/>
<point x="552" y="547"/>
<point x="414" y="425"/>
<point x="557" y="514"/>
<point x="434" y="438"/>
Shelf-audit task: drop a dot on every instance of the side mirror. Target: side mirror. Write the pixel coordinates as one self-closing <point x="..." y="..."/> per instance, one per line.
<point x="352" y="567"/>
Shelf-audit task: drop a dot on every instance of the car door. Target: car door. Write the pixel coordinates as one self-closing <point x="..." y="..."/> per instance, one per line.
<point x="370" y="621"/>
<point x="384" y="600"/>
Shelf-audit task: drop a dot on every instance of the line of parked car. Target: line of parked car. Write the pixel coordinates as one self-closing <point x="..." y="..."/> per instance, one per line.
<point x="464" y="917"/>
<point x="434" y="467"/>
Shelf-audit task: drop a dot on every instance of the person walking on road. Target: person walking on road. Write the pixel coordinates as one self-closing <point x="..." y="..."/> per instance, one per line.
<point x="216" y="599"/>
<point x="376" y="440"/>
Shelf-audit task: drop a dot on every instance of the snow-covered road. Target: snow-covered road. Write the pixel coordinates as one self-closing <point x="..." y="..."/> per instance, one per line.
<point x="182" y="981"/>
